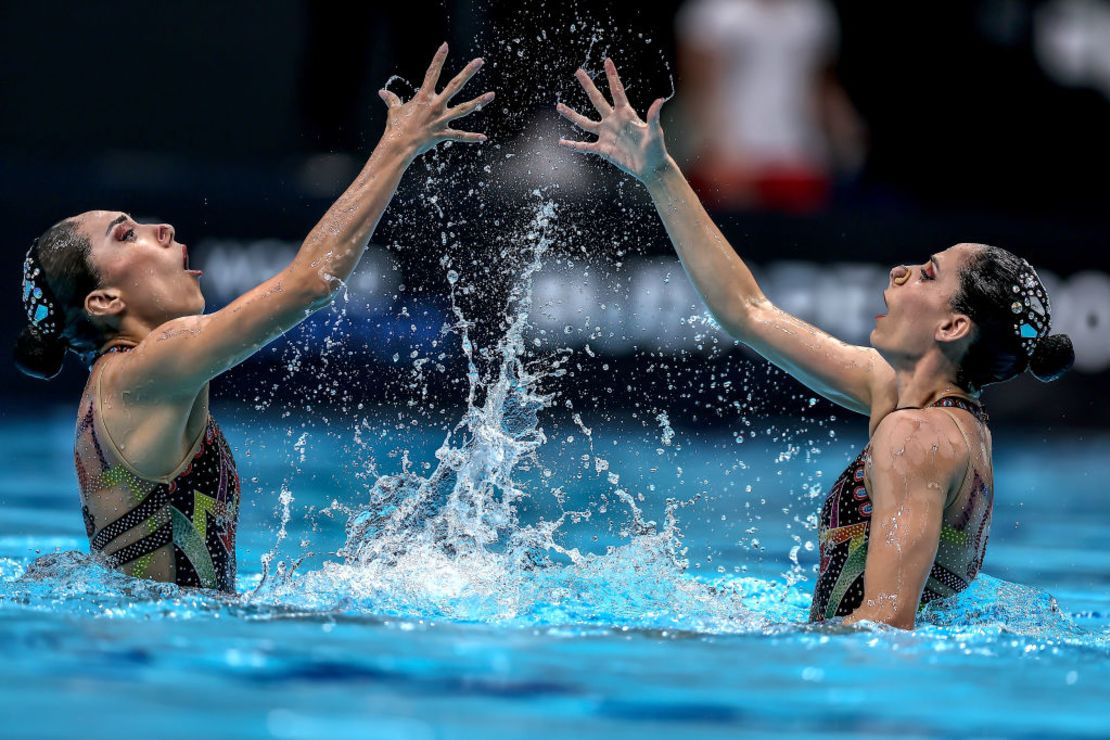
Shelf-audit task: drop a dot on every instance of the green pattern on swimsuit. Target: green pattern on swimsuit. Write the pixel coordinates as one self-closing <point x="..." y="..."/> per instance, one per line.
<point x="853" y="567"/>
<point x="189" y="540"/>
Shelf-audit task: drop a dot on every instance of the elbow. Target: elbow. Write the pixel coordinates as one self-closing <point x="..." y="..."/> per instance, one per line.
<point x="740" y="315"/>
<point x="321" y="295"/>
<point x="314" y="290"/>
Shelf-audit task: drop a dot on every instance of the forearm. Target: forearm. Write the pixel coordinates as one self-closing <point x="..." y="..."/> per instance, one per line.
<point x="333" y="248"/>
<point x="716" y="270"/>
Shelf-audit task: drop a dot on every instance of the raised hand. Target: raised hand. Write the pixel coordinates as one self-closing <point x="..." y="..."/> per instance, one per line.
<point x="633" y="145"/>
<point x="424" y="121"/>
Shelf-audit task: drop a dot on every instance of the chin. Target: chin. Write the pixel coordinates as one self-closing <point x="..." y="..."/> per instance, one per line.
<point x="878" y="345"/>
<point x="190" y="310"/>
<point x="196" y="307"/>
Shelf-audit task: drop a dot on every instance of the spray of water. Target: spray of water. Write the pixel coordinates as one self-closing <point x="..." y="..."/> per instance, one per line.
<point x="449" y="543"/>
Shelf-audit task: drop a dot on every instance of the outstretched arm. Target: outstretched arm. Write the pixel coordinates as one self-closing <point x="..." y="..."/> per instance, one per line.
<point x="179" y="357"/>
<point x="843" y="373"/>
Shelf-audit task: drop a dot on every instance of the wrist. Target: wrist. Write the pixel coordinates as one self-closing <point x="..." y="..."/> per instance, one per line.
<point x="395" y="148"/>
<point x="658" y="176"/>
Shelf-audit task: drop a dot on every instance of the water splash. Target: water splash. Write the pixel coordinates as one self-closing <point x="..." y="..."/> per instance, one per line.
<point x="449" y="543"/>
<point x="468" y="501"/>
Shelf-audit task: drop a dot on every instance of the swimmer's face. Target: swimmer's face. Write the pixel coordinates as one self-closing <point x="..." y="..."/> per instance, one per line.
<point x="919" y="307"/>
<point x="143" y="266"/>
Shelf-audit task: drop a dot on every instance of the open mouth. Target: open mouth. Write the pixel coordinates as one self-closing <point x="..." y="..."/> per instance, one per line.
<point x="185" y="262"/>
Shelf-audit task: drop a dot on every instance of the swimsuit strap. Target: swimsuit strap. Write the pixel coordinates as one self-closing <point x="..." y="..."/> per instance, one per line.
<point x="115" y="348"/>
<point x="955" y="402"/>
<point x="969" y="467"/>
<point x="972" y="407"/>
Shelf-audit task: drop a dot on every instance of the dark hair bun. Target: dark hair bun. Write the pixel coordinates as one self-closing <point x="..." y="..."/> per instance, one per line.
<point x="39" y="355"/>
<point x="1052" y="358"/>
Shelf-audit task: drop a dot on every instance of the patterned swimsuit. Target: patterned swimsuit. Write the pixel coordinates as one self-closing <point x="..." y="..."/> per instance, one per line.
<point x="179" y="527"/>
<point x="845" y="525"/>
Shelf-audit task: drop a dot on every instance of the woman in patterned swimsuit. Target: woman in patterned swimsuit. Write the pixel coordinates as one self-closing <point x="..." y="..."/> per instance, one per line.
<point x="159" y="487"/>
<point x="908" y="521"/>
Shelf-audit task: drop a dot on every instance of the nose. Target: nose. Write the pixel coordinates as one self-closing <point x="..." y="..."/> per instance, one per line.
<point x="898" y="274"/>
<point x="165" y="234"/>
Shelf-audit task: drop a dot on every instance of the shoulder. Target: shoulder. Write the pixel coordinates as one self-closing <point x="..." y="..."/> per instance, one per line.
<point x="154" y="360"/>
<point x="183" y="326"/>
<point x="159" y="344"/>
<point x="911" y="441"/>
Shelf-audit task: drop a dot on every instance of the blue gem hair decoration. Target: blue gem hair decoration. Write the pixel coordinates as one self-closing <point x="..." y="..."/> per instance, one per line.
<point x="1031" y="309"/>
<point x="38" y="302"/>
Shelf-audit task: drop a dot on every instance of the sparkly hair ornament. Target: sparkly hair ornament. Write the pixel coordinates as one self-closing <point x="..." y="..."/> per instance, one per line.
<point x="38" y="301"/>
<point x="1031" y="309"/>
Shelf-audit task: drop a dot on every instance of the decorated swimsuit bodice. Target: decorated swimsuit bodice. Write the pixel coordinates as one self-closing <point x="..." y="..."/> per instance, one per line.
<point x="845" y="524"/>
<point x="178" y="528"/>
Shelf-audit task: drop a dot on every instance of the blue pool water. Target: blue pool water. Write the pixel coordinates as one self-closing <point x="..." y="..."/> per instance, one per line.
<point x="523" y="568"/>
<point x="626" y="644"/>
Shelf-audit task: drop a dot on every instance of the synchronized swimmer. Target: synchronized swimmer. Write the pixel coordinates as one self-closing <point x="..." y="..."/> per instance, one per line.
<point x="159" y="487"/>
<point x="158" y="482"/>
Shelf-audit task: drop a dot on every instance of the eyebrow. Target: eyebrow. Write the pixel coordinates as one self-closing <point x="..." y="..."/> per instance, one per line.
<point x="933" y="259"/>
<point x="117" y="220"/>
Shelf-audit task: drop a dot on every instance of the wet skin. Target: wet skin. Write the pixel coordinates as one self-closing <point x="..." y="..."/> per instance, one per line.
<point x="920" y="459"/>
<point x="155" y="397"/>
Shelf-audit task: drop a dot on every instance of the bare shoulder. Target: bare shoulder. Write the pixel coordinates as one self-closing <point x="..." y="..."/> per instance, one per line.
<point x="184" y="326"/>
<point x="144" y="372"/>
<point x="918" y="441"/>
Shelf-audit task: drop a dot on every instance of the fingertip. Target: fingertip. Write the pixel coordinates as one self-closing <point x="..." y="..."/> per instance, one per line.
<point x="443" y="47"/>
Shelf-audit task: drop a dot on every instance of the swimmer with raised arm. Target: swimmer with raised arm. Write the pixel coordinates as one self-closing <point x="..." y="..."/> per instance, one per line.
<point x="158" y="483"/>
<point x="908" y="521"/>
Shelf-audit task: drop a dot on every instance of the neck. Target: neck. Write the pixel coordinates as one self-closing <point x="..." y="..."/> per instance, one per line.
<point x="924" y="381"/>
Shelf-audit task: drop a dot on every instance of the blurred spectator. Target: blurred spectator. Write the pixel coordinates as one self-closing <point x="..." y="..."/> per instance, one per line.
<point x="766" y="122"/>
